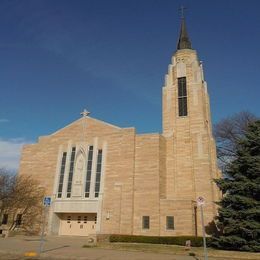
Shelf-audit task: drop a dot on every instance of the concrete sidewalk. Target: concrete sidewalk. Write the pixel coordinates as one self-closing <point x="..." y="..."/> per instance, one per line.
<point x="71" y="248"/>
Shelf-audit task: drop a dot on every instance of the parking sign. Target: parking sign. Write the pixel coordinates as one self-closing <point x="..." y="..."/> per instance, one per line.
<point x="47" y="201"/>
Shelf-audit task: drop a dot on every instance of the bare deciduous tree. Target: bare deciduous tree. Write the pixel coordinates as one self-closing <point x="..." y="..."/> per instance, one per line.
<point x="21" y="196"/>
<point x="227" y="134"/>
<point x="6" y="185"/>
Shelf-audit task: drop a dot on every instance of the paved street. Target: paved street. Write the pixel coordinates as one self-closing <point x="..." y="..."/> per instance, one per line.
<point x="71" y="248"/>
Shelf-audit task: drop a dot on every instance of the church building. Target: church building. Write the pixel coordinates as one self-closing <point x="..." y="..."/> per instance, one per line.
<point x="104" y="179"/>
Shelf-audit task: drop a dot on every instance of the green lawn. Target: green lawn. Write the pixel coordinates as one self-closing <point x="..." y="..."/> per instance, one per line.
<point x="180" y="250"/>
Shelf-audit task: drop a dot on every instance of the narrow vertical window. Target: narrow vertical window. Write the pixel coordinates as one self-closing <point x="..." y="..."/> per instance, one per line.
<point x="72" y="159"/>
<point x="98" y="173"/>
<point x="62" y="170"/>
<point x="5" y="219"/>
<point x="182" y="96"/>
<point x="170" y="223"/>
<point x="146" y="222"/>
<point x="89" y="170"/>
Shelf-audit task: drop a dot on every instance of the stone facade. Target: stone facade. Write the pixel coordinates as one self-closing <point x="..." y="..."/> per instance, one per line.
<point x="153" y="175"/>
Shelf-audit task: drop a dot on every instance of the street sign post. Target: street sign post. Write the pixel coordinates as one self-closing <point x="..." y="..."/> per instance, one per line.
<point x="200" y="203"/>
<point x="46" y="204"/>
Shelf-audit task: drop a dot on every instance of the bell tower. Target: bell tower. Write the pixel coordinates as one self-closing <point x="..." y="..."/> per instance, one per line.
<point x="191" y="154"/>
<point x="185" y="95"/>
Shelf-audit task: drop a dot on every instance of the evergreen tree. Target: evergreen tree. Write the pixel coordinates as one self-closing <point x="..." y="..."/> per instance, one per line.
<point x="239" y="211"/>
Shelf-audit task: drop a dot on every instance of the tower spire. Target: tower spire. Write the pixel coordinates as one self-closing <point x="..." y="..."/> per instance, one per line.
<point x="184" y="41"/>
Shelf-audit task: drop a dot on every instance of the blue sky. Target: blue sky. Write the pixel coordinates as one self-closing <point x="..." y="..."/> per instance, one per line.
<point x="58" y="57"/>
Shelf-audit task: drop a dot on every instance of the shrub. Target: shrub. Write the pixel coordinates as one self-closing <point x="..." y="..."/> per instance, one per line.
<point x="176" y="240"/>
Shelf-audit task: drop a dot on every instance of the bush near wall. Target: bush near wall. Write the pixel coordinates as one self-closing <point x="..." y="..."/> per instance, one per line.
<point x="177" y="240"/>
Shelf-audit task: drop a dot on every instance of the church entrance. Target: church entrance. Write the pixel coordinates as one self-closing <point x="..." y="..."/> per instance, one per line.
<point x="77" y="224"/>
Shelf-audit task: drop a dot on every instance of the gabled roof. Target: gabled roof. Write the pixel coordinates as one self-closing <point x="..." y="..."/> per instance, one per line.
<point x="88" y="118"/>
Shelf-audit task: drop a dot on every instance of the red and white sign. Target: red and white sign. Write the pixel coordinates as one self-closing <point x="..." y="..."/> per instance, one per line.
<point x="200" y="201"/>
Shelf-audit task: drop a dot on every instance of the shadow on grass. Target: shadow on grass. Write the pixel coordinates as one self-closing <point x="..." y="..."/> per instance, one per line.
<point x="55" y="248"/>
<point x="34" y="239"/>
<point x="193" y="255"/>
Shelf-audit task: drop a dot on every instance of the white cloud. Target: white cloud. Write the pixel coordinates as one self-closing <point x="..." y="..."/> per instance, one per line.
<point x="3" y="120"/>
<point x="10" y="151"/>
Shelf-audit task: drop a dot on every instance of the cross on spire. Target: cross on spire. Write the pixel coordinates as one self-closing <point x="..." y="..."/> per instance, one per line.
<point x="85" y="113"/>
<point x="182" y="10"/>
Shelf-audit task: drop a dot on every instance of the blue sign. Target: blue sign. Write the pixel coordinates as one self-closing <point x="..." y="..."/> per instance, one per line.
<point x="47" y="201"/>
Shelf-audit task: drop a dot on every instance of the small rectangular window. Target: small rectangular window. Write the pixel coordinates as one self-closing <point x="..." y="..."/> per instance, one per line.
<point x="170" y="223"/>
<point x="146" y="222"/>
<point x="5" y="219"/>
<point x="19" y="220"/>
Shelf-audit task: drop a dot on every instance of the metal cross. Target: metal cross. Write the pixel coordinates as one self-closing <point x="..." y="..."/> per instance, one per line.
<point x="85" y="113"/>
<point x="182" y="9"/>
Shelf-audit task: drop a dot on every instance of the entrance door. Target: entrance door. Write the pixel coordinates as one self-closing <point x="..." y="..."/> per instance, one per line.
<point x="78" y="224"/>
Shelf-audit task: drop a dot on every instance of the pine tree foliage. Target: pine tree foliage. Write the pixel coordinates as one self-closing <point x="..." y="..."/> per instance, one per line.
<point x="239" y="211"/>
